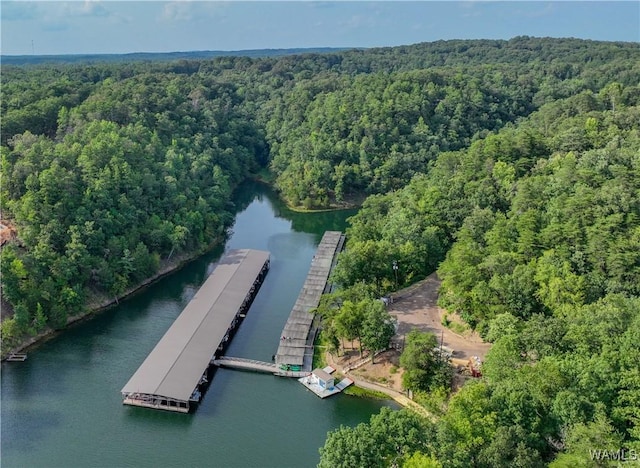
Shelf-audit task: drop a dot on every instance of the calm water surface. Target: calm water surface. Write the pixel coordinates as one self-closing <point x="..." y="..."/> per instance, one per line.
<point x="62" y="407"/>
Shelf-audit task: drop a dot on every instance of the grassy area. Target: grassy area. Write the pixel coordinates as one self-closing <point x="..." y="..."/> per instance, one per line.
<point x="354" y="390"/>
<point x="459" y="328"/>
<point x="455" y="324"/>
<point x="319" y="348"/>
<point x="379" y="379"/>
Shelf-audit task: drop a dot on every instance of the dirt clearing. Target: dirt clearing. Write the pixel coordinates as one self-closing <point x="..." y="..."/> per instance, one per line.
<point x="415" y="307"/>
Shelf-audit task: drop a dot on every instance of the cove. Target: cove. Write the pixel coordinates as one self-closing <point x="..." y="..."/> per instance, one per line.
<point x="62" y="407"/>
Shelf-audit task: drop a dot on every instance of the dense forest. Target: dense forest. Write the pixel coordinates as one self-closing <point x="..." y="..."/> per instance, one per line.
<point x="102" y="191"/>
<point x="535" y="232"/>
<point x="510" y="167"/>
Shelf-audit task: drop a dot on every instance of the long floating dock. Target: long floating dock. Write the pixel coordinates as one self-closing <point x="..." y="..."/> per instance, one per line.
<point x="176" y="372"/>
<point x="295" y="350"/>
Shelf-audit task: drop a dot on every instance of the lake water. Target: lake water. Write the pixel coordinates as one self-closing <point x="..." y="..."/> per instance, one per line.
<point x="62" y="407"/>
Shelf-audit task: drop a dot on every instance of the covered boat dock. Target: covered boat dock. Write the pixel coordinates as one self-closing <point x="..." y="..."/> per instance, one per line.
<point x="176" y="371"/>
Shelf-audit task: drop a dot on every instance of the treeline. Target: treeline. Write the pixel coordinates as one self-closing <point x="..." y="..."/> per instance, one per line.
<point x="502" y="176"/>
<point x="156" y="56"/>
<point x="139" y="171"/>
<point x="556" y="391"/>
<point x="535" y="233"/>
<point x="570" y="236"/>
<point x="337" y="135"/>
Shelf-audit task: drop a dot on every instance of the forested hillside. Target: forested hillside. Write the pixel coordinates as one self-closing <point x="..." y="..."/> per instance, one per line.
<point x="101" y="191"/>
<point x="337" y="134"/>
<point x="535" y="232"/>
<point x="510" y="167"/>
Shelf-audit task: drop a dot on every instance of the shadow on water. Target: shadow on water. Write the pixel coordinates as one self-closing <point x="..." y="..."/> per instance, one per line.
<point x="212" y="401"/>
<point x="148" y="419"/>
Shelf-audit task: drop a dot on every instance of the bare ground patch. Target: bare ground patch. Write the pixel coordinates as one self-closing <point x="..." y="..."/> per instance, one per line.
<point x="415" y="307"/>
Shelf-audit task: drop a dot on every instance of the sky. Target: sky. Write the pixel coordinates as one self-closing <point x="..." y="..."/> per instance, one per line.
<point x="96" y="27"/>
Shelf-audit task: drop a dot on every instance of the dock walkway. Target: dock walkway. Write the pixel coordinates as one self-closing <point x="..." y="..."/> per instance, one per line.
<point x="256" y="366"/>
<point x="245" y="364"/>
<point x="295" y="350"/>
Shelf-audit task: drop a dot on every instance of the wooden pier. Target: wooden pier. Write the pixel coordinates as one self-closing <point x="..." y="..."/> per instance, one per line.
<point x="295" y="350"/>
<point x="175" y="374"/>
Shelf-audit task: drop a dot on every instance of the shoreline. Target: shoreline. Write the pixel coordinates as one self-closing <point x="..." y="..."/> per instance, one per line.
<point x="297" y="209"/>
<point x="104" y="304"/>
<point x="347" y="205"/>
<point x="393" y="394"/>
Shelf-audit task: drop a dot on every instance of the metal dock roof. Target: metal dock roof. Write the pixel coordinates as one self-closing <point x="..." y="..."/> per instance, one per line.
<point x="175" y="366"/>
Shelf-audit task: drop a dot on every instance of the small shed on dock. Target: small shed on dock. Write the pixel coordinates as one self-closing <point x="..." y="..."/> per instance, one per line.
<point x="323" y="384"/>
<point x="325" y="380"/>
